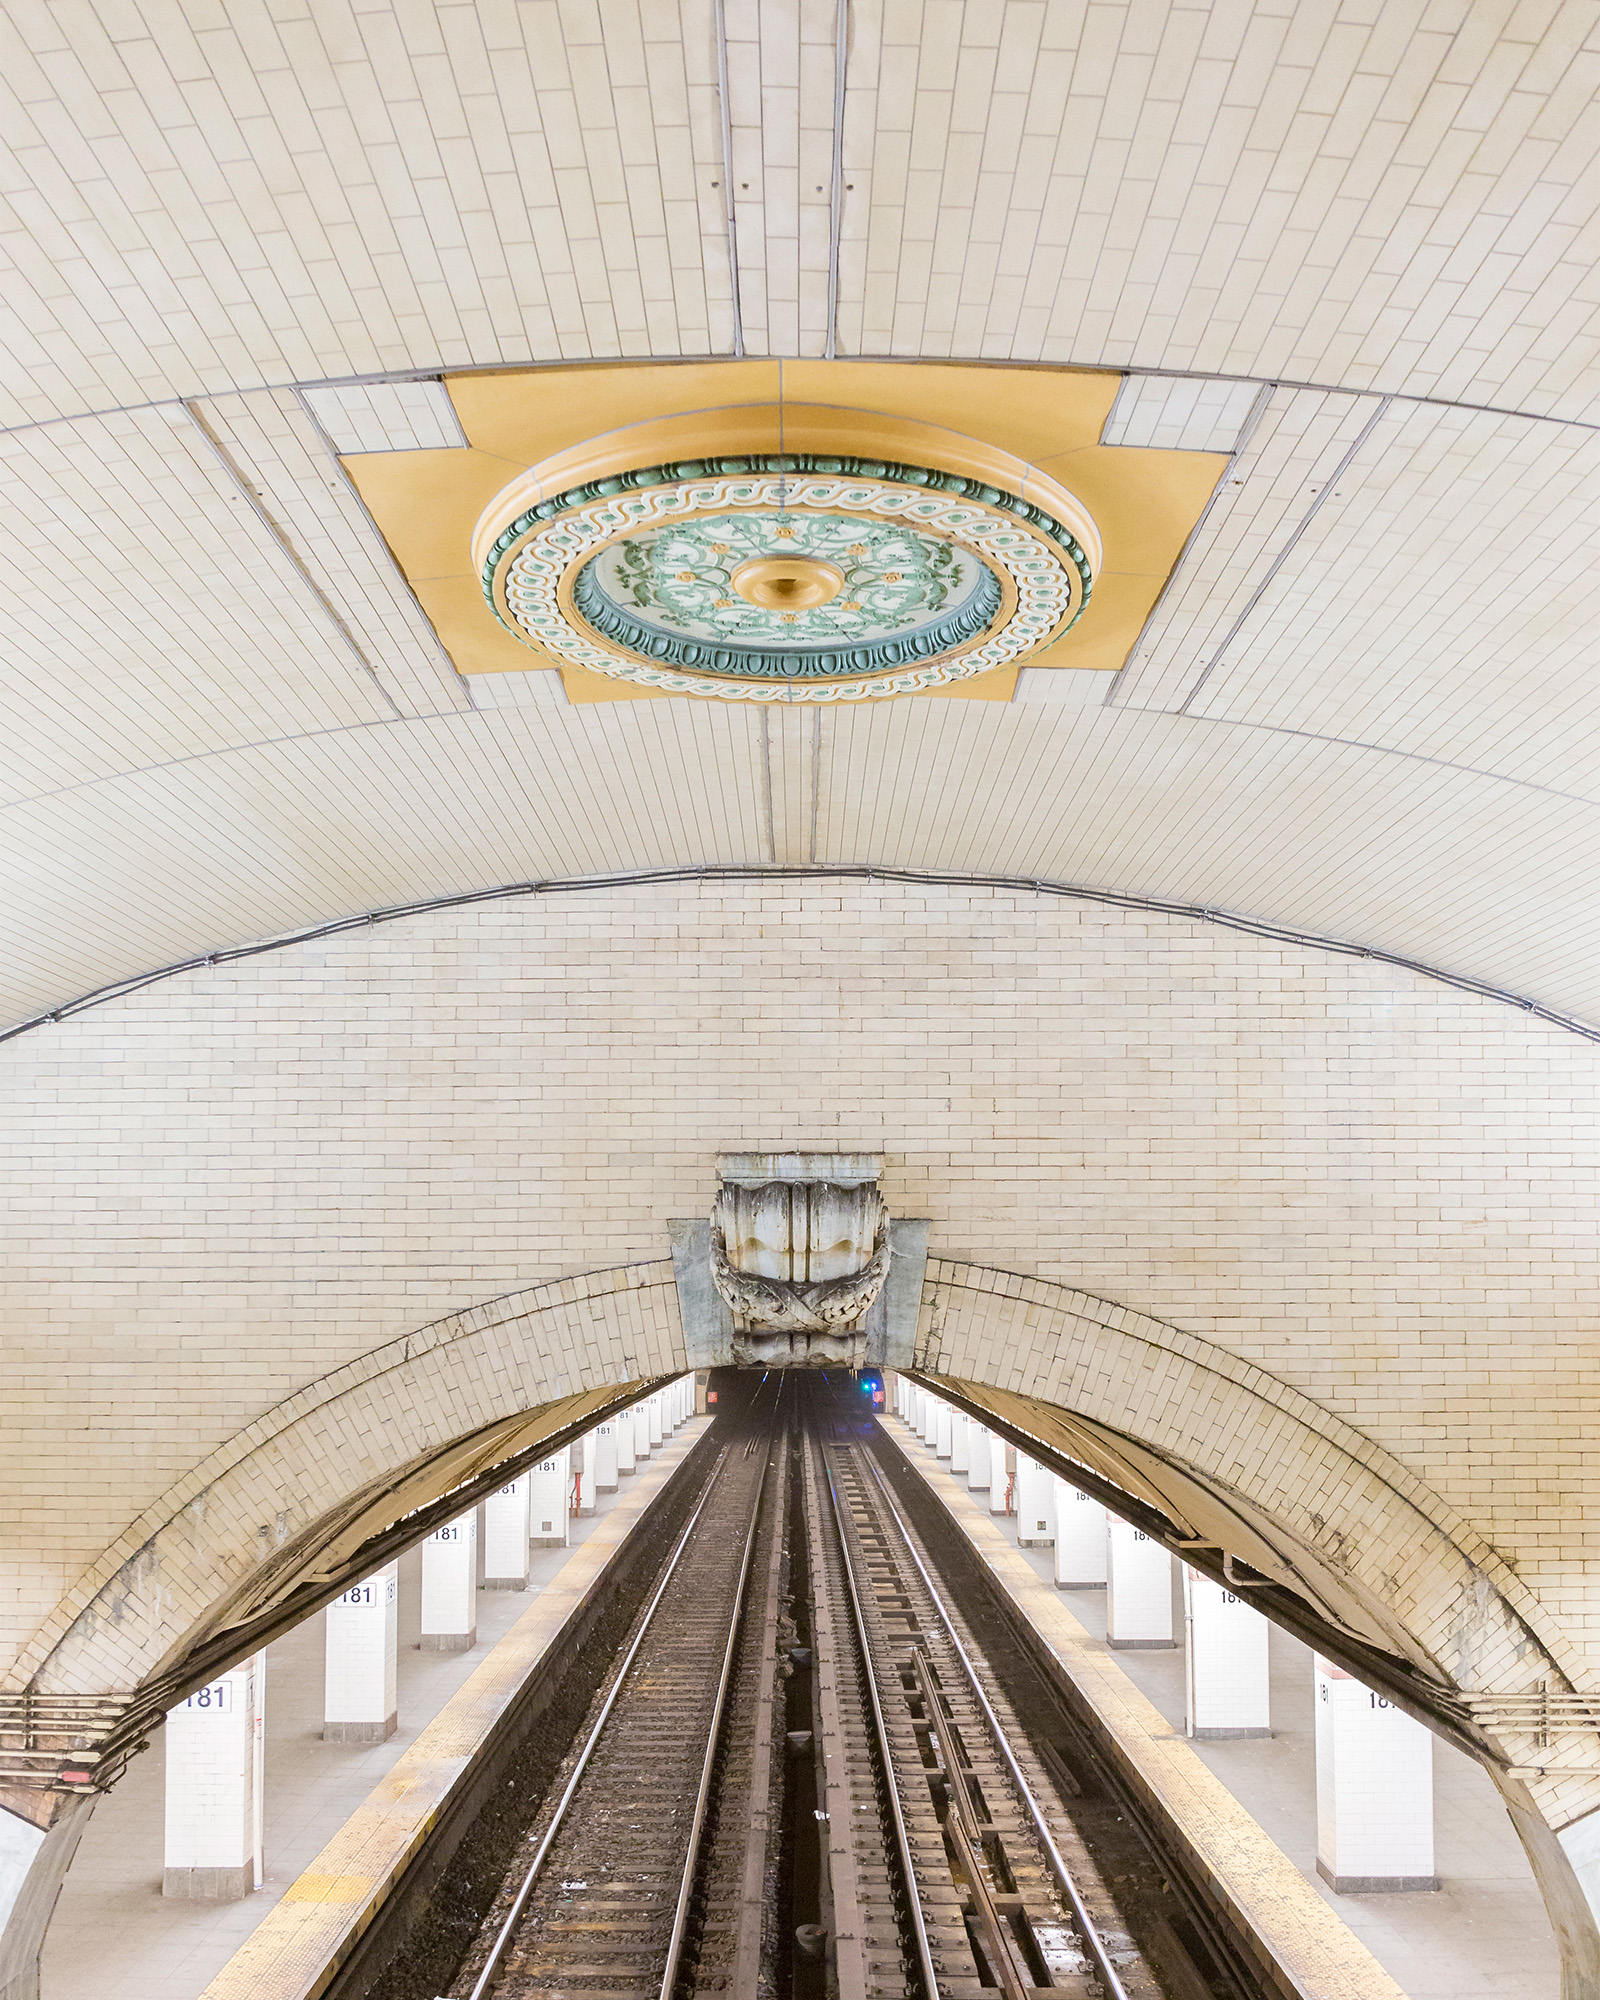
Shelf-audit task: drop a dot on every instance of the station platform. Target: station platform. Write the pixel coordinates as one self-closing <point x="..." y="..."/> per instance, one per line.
<point x="115" y="1933"/>
<point x="1482" y="1935"/>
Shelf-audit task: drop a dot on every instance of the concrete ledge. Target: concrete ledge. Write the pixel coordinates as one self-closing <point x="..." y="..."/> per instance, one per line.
<point x="297" y="1949"/>
<point x="361" y="1732"/>
<point x="448" y="1642"/>
<point x="1375" y="1885"/>
<point x="1143" y="1645"/>
<point x="1227" y="1735"/>
<point x="504" y="1583"/>
<point x="1299" y="1944"/>
<point x="210" y="1885"/>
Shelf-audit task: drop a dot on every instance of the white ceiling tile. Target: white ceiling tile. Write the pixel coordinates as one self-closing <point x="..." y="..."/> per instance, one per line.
<point x="1441" y="603"/>
<point x="1069" y="687"/>
<point x="1301" y="438"/>
<point x="540" y="686"/>
<point x="149" y="614"/>
<point x="387" y="416"/>
<point x="1179" y="413"/>
<point x="224" y="713"/>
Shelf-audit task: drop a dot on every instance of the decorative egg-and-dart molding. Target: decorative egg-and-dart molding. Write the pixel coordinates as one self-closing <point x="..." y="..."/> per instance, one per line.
<point x="833" y="576"/>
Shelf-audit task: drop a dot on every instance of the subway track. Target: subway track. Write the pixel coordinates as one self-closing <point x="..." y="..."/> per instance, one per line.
<point x="1000" y="1894"/>
<point x="803" y="1781"/>
<point x="605" y="1903"/>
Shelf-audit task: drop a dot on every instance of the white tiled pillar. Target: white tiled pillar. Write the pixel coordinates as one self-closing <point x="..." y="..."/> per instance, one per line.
<point x="1035" y="1503"/>
<point x="941" y="1431"/>
<point x="981" y="1446"/>
<point x="215" y="1742"/>
<point x="641" y="1429"/>
<point x="1080" y="1537"/>
<point x="450" y="1587"/>
<point x="1374" y="1789"/>
<point x="930" y="1418"/>
<point x="652" y="1404"/>
<point x="1138" y="1588"/>
<point x="605" y="1458"/>
<point x="547" y="1501"/>
<point x="505" y="1537"/>
<point x="916" y="1396"/>
<point x="585" y="1461"/>
<point x="1001" y="1485"/>
<point x="960" y="1443"/>
<point x="1226" y="1663"/>
<point x="359" y="1701"/>
<point x="624" y="1431"/>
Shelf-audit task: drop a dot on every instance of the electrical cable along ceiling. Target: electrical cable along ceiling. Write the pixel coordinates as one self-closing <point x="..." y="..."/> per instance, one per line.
<point x="1299" y="307"/>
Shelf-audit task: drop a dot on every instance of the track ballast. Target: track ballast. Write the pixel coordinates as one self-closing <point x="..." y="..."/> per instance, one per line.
<point x="803" y="1781"/>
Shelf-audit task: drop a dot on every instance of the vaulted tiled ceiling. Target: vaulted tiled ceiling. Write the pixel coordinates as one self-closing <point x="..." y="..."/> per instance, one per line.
<point x="1365" y="708"/>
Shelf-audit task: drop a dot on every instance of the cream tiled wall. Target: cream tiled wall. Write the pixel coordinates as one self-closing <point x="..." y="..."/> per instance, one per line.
<point x="227" y="1188"/>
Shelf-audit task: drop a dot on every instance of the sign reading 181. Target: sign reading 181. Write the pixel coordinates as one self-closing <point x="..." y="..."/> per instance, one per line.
<point x="363" y="1594"/>
<point x="217" y="1698"/>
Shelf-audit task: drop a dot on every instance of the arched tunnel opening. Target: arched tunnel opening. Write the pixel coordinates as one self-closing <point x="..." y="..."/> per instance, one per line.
<point x="883" y="1664"/>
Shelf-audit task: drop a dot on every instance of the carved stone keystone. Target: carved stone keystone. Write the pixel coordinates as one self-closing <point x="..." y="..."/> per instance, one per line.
<point x="799" y="1252"/>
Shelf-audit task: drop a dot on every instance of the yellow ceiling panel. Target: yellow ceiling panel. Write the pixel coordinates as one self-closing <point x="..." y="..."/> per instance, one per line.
<point x="531" y="413"/>
<point x="426" y="502"/>
<point x="1034" y="412"/>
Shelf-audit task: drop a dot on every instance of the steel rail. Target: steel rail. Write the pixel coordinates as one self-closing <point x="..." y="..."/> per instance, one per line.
<point x="680" y="1916"/>
<point x="519" y="1903"/>
<point x="759" y="1816"/>
<point x="1104" y="1969"/>
<point x="1000" y="1946"/>
<point x="930" y="1977"/>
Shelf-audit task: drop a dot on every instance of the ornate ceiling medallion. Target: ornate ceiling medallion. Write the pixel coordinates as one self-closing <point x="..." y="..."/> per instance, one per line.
<point x="833" y="578"/>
